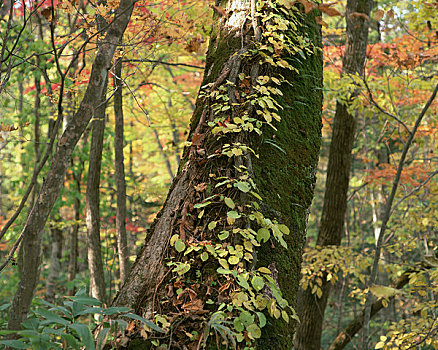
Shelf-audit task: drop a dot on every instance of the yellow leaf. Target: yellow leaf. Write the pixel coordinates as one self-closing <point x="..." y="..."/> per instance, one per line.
<point x="379" y="345"/>
<point x="319" y="292"/>
<point x="383" y="291"/>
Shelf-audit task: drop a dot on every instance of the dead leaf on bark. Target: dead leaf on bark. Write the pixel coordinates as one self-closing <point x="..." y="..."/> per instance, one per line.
<point x="308" y="5"/>
<point x="320" y="21"/>
<point x="329" y="10"/>
<point x="201" y="187"/>
<point x="360" y="15"/>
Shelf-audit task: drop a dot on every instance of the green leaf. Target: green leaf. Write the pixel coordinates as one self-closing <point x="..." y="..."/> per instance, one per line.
<point x="223" y="271"/>
<point x="263" y="234"/>
<point x="255" y="194"/>
<point x="282" y="241"/>
<point x="212" y="225"/>
<point x="15" y="344"/>
<point x="180" y="246"/>
<point x="285" y="316"/>
<point x="224" y="235"/>
<point x="84" y="334"/>
<point x="262" y="319"/>
<point x="243" y="186"/>
<point x="181" y="268"/>
<point x="201" y="205"/>
<point x="204" y="256"/>
<point x="115" y="310"/>
<point x="258" y="283"/>
<point x="90" y="310"/>
<point x="238" y="326"/>
<point x="254" y="331"/>
<point x="229" y="202"/>
<point x="86" y="300"/>
<point x="242" y="282"/>
<point x="264" y="270"/>
<point x="224" y="263"/>
<point x="233" y="260"/>
<point x="284" y="229"/>
<point x="147" y="322"/>
<point x="383" y="291"/>
<point x="246" y="318"/>
<point x="233" y="214"/>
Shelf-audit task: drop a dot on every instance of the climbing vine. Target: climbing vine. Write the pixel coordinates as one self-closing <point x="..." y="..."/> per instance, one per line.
<point x="218" y="227"/>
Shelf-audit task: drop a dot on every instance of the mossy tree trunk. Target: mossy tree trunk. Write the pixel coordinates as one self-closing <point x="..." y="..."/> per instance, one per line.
<point x="249" y="173"/>
<point x="311" y="307"/>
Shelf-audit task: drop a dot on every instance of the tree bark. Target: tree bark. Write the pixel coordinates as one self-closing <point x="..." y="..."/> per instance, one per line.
<point x="284" y="173"/>
<point x="55" y="262"/>
<point x="119" y="138"/>
<point x="95" y="264"/>
<point x="311" y="308"/>
<point x="30" y="248"/>
<point x="55" y="177"/>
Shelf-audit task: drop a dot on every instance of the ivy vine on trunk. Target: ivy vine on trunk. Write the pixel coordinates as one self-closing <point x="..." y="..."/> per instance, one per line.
<point x="221" y="263"/>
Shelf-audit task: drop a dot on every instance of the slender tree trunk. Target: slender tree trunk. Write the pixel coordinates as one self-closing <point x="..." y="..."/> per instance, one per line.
<point x="95" y="264"/>
<point x="30" y="247"/>
<point x="55" y="262"/>
<point x="55" y="177"/>
<point x="283" y="173"/>
<point x="73" y="256"/>
<point x="163" y="154"/>
<point x="119" y="138"/>
<point x="311" y="308"/>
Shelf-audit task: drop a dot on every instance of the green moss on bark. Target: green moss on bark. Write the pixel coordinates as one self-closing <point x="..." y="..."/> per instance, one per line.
<point x="285" y="176"/>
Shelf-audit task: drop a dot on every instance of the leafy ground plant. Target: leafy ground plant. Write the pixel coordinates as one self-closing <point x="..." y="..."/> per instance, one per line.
<point x="69" y="326"/>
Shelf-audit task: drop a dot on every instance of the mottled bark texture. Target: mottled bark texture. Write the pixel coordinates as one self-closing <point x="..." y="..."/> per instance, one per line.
<point x="284" y="172"/>
<point x="122" y="240"/>
<point x="310" y="307"/>
<point x="95" y="264"/>
<point x="55" y="177"/>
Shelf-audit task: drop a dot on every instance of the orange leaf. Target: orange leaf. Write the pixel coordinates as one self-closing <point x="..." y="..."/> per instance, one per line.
<point x="378" y="15"/>
<point x="390" y="14"/>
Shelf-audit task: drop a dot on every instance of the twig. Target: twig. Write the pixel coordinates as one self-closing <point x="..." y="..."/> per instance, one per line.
<point x="416" y="189"/>
<point x="370" y="95"/>
<point x="387" y="215"/>
<point x="145" y="60"/>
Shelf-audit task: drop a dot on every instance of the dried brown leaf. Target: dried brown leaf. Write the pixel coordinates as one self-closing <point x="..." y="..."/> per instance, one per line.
<point x="360" y="15"/>
<point x="329" y="10"/>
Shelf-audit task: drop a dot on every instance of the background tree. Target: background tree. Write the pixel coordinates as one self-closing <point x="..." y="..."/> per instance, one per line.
<point x="312" y="304"/>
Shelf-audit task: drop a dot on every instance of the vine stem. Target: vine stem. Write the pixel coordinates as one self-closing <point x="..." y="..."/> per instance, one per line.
<point x="386" y="217"/>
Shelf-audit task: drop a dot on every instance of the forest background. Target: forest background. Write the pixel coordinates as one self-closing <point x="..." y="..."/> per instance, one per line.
<point x="46" y="54"/>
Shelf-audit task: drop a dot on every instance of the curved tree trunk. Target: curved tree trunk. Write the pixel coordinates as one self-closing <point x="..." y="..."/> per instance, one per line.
<point x="199" y="208"/>
<point x="311" y="308"/>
